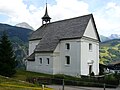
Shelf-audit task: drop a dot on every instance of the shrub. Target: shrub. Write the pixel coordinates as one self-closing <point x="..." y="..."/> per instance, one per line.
<point x="102" y="51"/>
<point x="92" y="74"/>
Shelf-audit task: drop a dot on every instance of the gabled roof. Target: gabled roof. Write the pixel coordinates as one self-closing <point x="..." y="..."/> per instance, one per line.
<point x="51" y="33"/>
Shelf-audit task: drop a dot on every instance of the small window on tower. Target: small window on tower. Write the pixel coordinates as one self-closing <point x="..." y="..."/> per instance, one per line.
<point x="67" y="46"/>
<point x="67" y="60"/>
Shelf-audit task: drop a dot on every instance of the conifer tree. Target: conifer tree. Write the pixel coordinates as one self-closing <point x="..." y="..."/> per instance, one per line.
<point x="7" y="58"/>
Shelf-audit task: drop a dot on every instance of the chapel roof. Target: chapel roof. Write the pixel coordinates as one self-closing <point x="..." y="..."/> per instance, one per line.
<point x="50" y="34"/>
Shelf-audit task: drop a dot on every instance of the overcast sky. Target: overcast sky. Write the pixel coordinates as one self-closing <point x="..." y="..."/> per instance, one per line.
<point x="106" y="12"/>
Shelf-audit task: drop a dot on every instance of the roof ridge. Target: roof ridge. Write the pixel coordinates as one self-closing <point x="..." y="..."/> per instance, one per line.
<point x="71" y="18"/>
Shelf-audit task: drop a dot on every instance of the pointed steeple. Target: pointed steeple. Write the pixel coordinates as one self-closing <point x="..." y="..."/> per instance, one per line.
<point x="46" y="17"/>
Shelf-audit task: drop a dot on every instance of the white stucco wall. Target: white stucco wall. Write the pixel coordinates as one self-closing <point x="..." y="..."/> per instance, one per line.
<point x="32" y="45"/>
<point x="35" y="66"/>
<point x="90" y="36"/>
<point x="52" y="68"/>
<point x="88" y="56"/>
<point x="73" y="68"/>
<point x="31" y="66"/>
<point x="79" y="56"/>
<point x="56" y="60"/>
<point x="90" y="30"/>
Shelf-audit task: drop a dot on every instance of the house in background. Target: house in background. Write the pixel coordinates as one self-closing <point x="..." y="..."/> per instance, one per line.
<point x="69" y="46"/>
<point x="114" y="67"/>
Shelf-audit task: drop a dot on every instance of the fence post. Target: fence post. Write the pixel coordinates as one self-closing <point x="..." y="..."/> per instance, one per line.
<point x="63" y="85"/>
<point x="119" y="84"/>
<point x="42" y="87"/>
<point x="104" y="86"/>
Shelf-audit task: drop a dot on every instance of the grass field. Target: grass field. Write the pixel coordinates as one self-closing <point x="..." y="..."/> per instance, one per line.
<point x="23" y="75"/>
<point x="17" y="82"/>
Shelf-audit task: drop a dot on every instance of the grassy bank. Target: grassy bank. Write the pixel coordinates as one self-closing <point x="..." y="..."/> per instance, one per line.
<point x="23" y="75"/>
<point x="18" y="82"/>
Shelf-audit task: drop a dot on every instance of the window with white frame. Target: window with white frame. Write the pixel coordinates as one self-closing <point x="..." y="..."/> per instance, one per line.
<point x="67" y="60"/>
<point x="67" y="46"/>
<point x="48" y="61"/>
<point x="90" y="46"/>
<point x="40" y="60"/>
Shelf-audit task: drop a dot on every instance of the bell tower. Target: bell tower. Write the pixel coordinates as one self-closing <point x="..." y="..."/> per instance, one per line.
<point x="46" y="18"/>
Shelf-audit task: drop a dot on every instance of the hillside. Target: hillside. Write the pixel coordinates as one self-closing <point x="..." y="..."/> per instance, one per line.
<point x="19" y="38"/>
<point x="110" y="51"/>
<point x="15" y="32"/>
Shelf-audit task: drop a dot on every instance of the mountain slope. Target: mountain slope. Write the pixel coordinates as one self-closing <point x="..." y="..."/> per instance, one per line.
<point x="110" y="51"/>
<point x="13" y="31"/>
<point x="19" y="38"/>
<point x="104" y="38"/>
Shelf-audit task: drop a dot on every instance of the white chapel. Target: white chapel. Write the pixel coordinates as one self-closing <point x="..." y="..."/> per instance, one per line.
<point x="69" y="47"/>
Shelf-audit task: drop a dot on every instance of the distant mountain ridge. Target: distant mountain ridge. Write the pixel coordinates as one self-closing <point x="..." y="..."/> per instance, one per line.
<point x="114" y="36"/>
<point x="24" y="25"/>
<point x="111" y="37"/>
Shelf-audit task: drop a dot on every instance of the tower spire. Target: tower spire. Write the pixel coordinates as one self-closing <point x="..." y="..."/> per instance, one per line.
<point x="46" y="17"/>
